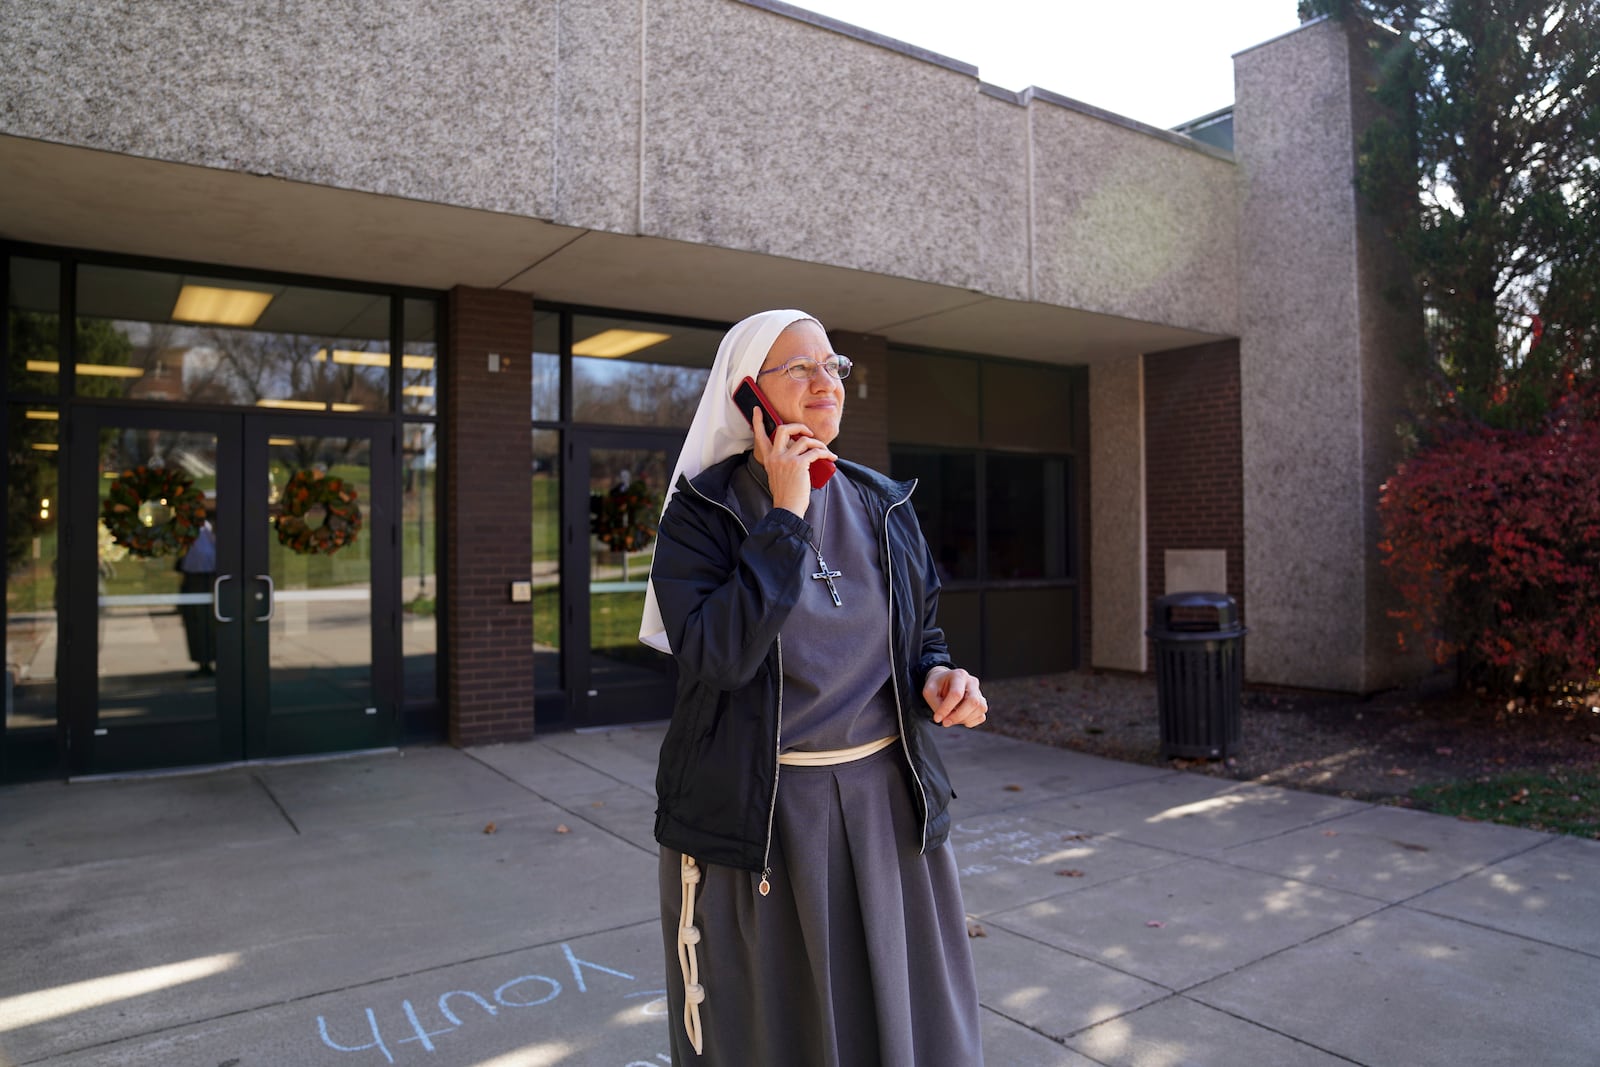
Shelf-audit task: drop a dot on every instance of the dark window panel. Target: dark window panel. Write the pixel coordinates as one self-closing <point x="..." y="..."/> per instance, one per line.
<point x="946" y="500"/>
<point x="33" y="325"/>
<point x="1026" y="511"/>
<point x="933" y="400"/>
<point x="1027" y="407"/>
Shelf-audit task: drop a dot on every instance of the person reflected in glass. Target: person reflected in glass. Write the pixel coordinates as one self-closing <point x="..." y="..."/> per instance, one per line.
<point x="198" y="567"/>
<point x="811" y="912"/>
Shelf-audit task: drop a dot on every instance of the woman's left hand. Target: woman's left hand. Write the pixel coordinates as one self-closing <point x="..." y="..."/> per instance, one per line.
<point x="955" y="698"/>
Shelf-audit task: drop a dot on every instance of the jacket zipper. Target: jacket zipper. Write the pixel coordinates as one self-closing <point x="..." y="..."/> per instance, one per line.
<point x="777" y="737"/>
<point x="899" y="706"/>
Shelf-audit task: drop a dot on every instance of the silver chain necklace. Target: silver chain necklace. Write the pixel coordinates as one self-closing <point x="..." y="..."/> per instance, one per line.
<point x="823" y="573"/>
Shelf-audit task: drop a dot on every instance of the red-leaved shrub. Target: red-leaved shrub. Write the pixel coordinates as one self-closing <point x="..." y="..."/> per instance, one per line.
<point x="1493" y="540"/>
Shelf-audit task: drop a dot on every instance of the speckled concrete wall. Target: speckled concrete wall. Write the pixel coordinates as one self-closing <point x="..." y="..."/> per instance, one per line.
<point x="707" y="121"/>
<point x="597" y="123"/>
<point x="1003" y="197"/>
<point x="765" y="133"/>
<point x="1318" y="373"/>
<point x="1125" y="223"/>
<point x="1117" y="514"/>
<point x="437" y="101"/>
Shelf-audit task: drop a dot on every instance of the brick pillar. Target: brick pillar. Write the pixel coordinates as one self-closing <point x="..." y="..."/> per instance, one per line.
<point x="864" y="433"/>
<point x="1194" y="468"/>
<point x="488" y="501"/>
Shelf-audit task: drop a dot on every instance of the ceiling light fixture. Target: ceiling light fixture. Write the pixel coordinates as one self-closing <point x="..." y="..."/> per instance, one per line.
<point x="292" y="405"/>
<point x="211" y="306"/>
<point x="609" y="344"/>
<point x="373" y="359"/>
<point x="102" y="370"/>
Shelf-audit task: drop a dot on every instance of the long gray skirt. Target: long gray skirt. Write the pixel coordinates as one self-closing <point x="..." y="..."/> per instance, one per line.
<point x="857" y="957"/>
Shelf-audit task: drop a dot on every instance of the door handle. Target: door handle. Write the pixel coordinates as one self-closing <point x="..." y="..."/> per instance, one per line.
<point x="272" y="597"/>
<point x="216" y="598"/>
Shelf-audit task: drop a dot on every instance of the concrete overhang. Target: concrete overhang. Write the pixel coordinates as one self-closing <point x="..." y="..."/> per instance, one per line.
<point x="110" y="202"/>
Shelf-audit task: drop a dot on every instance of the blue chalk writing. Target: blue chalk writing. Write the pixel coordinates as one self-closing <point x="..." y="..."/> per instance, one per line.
<point x="523" y="991"/>
<point x="577" y="973"/>
<point x="555" y="991"/>
<point x="377" y="1039"/>
<point x="423" y="1035"/>
<point x="444" y="1004"/>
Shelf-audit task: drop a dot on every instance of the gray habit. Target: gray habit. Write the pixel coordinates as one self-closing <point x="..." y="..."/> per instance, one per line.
<point x="858" y="956"/>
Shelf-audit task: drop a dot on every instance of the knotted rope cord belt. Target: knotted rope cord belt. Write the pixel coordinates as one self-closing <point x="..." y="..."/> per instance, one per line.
<point x="836" y="755"/>
<point x="694" y="994"/>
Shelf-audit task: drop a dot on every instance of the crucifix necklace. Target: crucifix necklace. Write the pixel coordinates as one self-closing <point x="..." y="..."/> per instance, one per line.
<point x="823" y="573"/>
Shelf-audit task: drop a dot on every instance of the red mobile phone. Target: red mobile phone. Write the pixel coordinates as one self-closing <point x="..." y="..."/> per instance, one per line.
<point x="748" y="397"/>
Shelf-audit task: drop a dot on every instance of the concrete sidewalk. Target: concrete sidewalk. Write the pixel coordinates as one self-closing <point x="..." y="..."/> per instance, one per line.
<point x="356" y="912"/>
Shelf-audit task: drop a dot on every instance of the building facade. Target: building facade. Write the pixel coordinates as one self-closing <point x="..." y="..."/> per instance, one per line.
<point x="416" y="304"/>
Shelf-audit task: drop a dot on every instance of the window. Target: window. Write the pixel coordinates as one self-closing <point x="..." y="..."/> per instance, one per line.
<point x="178" y="337"/>
<point x="1020" y="532"/>
<point x="419" y="371"/>
<point x="419" y="560"/>
<point x="993" y="446"/>
<point x="638" y="373"/>
<point x="1025" y="517"/>
<point x="947" y="506"/>
<point x="546" y="560"/>
<point x="546" y="366"/>
<point x="33" y="505"/>
<point x="33" y="325"/>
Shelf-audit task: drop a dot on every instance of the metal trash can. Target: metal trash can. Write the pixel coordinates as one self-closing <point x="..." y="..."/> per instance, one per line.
<point x="1199" y="674"/>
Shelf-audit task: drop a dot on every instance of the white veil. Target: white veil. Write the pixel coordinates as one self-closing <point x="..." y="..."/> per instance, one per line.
<point x="719" y="430"/>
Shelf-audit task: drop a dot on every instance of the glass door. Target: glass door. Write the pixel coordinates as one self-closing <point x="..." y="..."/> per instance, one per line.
<point x="616" y="484"/>
<point x="224" y="589"/>
<point x="319" y="511"/>
<point x="155" y="665"/>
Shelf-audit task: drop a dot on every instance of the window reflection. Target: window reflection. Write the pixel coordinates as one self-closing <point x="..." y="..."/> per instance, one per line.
<point x="419" y="372"/>
<point x="159" y="336"/>
<point x="33" y="505"/>
<point x="638" y="373"/>
<point x="156" y="643"/>
<point x="546" y="559"/>
<point x="419" y="559"/>
<point x="320" y="635"/>
<point x="546" y="366"/>
<point x="33" y="325"/>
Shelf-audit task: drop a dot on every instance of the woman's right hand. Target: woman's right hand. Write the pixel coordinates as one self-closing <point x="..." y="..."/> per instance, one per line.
<point x="787" y="459"/>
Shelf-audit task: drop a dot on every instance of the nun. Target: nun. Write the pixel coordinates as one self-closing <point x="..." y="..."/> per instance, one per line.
<point x="810" y="907"/>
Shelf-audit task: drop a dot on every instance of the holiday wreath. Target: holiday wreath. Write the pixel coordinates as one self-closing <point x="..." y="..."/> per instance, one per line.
<point x="624" y="518"/>
<point x="341" y="515"/>
<point x="131" y="513"/>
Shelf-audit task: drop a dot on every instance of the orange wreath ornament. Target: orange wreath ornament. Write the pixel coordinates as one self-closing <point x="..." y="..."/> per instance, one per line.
<point x="341" y="515"/>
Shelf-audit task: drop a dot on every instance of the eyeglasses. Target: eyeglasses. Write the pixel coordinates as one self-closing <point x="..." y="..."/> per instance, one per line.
<point x="804" y="368"/>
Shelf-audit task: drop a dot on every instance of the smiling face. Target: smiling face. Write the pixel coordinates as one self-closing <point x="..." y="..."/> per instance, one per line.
<point x="818" y="403"/>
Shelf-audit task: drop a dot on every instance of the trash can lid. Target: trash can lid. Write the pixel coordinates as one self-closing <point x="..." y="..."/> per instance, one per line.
<point x="1225" y="607"/>
<point x="1197" y="633"/>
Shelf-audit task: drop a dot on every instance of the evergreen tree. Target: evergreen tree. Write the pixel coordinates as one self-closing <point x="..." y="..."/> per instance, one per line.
<point x="1482" y="165"/>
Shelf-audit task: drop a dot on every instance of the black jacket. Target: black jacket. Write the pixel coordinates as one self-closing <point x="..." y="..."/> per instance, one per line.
<point x="724" y="594"/>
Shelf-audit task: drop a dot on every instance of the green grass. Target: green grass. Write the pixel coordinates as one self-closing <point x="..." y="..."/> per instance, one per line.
<point x="1560" y="802"/>
<point x="613" y="619"/>
<point x="547" y="615"/>
<point x="546" y="518"/>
